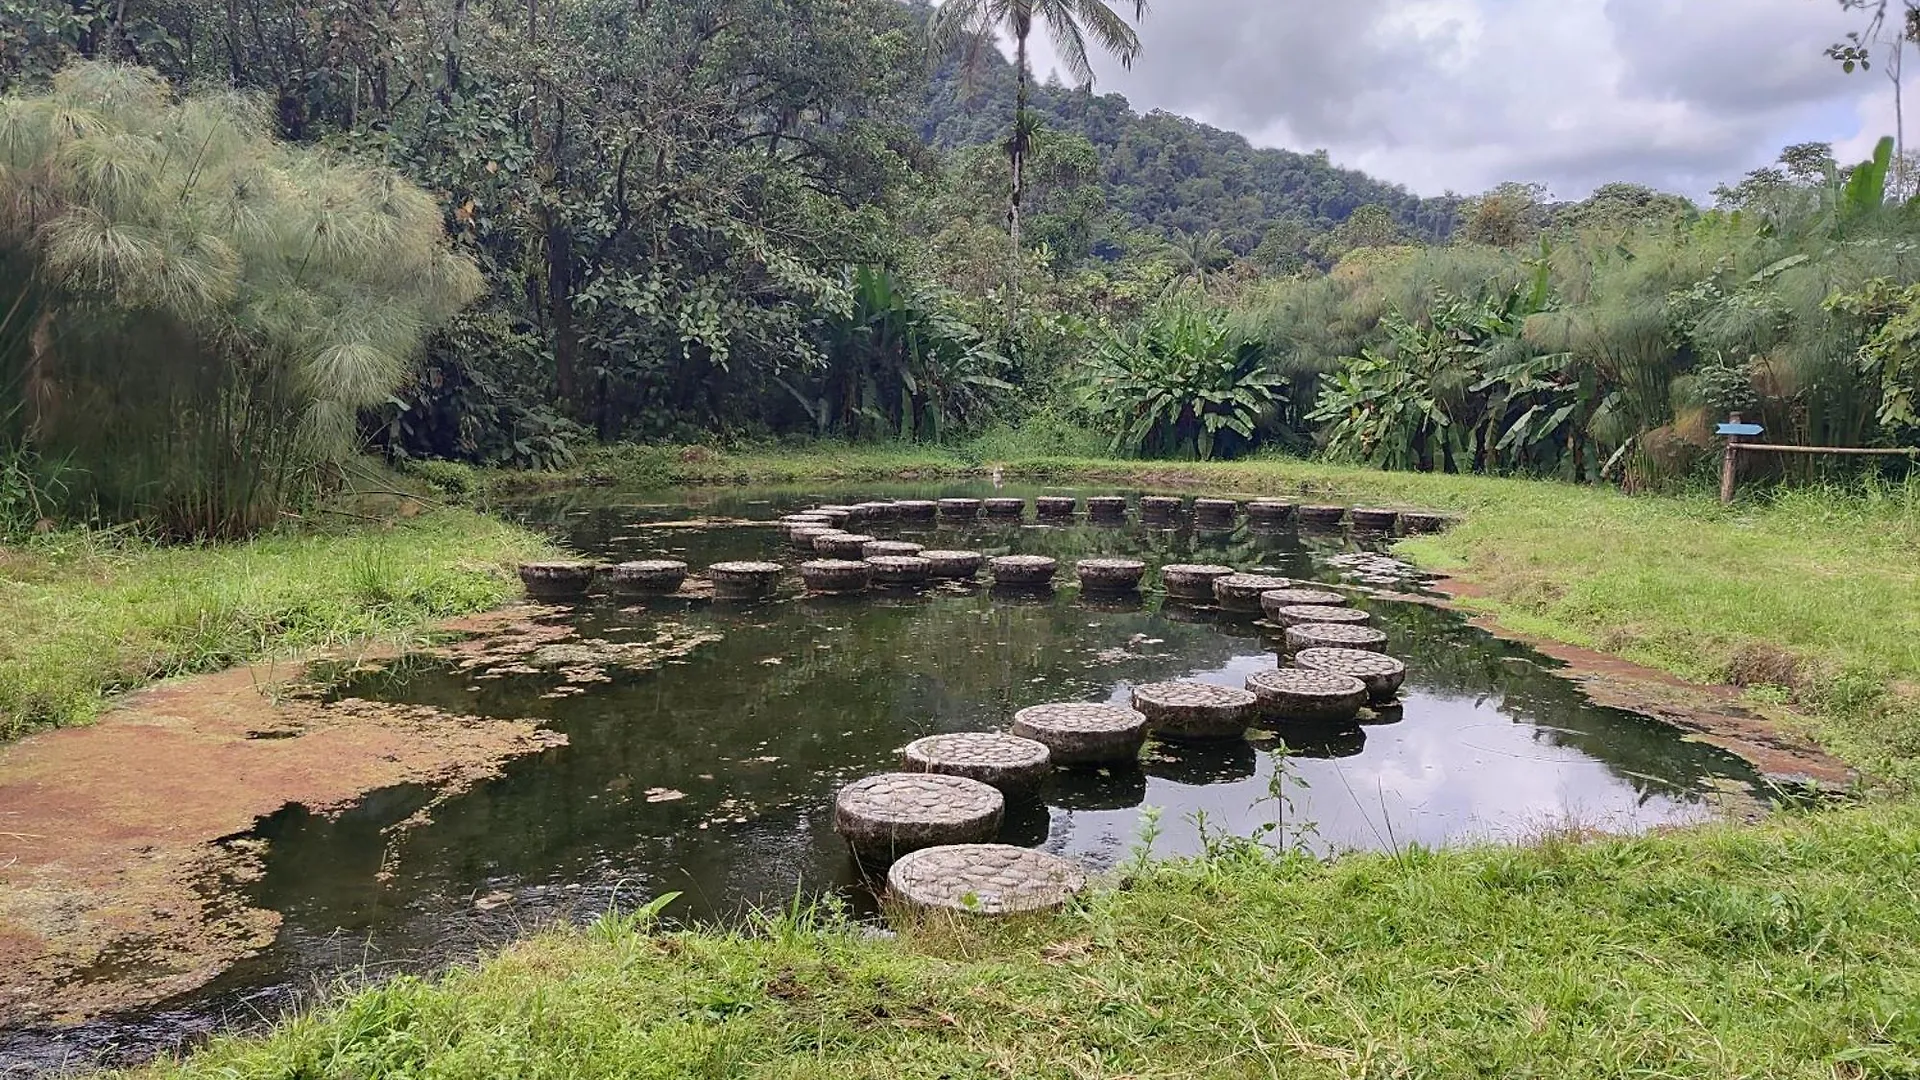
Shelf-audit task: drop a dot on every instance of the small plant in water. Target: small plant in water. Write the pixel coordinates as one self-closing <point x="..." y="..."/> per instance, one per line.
<point x="1287" y="834"/>
<point x="1142" y="853"/>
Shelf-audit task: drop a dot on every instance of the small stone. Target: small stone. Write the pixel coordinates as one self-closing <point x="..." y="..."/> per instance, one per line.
<point x="885" y="816"/>
<point x="1241" y="592"/>
<point x="1335" y="636"/>
<point x="1383" y="674"/>
<point x="1297" y="695"/>
<point x="1083" y="732"/>
<point x="1195" y="710"/>
<point x="953" y="565"/>
<point x="1110" y="575"/>
<point x="1297" y="614"/>
<point x="835" y="576"/>
<point x="744" y="580"/>
<point x="1024" y="570"/>
<point x="1192" y="582"/>
<point x="985" y="879"/>
<point x="648" y="576"/>
<point x="556" y="580"/>
<point x="1015" y="765"/>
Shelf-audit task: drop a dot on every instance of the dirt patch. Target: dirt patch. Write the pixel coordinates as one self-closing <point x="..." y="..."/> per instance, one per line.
<point x="1711" y="714"/>
<point x="121" y="843"/>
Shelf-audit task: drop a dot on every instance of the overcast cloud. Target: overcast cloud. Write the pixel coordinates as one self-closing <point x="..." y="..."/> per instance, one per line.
<point x="1464" y="94"/>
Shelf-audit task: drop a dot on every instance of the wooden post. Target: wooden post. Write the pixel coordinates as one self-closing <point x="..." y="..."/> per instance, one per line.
<point x="1729" y="463"/>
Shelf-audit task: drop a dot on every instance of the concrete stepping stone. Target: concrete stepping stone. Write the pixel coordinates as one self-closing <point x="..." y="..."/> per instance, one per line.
<point x="1215" y="511"/>
<point x="890" y="547"/>
<point x="1297" y="614"/>
<point x="1383" y="674"/>
<point x="557" y="580"/>
<point x="1322" y="517"/>
<point x="1110" y="575"/>
<point x="1024" y="570"/>
<point x="792" y="521"/>
<point x="843" y="545"/>
<point x="1005" y="507"/>
<point x="1106" y="507"/>
<point x="1368" y="519"/>
<point x="1416" y="522"/>
<point x="959" y="509"/>
<point x="1159" y="507"/>
<point x="985" y="879"/>
<point x="803" y="536"/>
<point x="835" y="515"/>
<point x="886" y="816"/>
<point x="916" y="509"/>
<point x="744" y="580"/>
<point x="878" y="510"/>
<point x="1052" y="506"/>
<point x="1193" y="582"/>
<point x="835" y="576"/>
<point x="1083" y="732"/>
<point x="899" y="571"/>
<point x="1271" y="602"/>
<point x="1241" y="592"/>
<point x="1195" y="710"/>
<point x="1335" y="636"/>
<point x="648" y="576"/>
<point x="953" y="565"/>
<point x="1270" y="512"/>
<point x="1302" y="696"/>
<point x="1015" y="765"/>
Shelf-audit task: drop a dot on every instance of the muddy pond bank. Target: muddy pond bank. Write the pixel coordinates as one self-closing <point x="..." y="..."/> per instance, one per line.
<point x="576" y="759"/>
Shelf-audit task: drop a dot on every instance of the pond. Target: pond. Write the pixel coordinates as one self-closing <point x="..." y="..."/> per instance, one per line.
<point x="706" y="741"/>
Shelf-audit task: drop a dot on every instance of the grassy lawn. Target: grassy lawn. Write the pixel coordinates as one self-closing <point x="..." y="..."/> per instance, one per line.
<point x="90" y="614"/>
<point x="1787" y="949"/>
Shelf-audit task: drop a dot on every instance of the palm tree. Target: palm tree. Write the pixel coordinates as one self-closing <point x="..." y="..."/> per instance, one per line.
<point x="1199" y="255"/>
<point x="1071" y="24"/>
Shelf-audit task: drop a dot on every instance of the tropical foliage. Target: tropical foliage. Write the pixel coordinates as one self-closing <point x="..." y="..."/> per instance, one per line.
<point x="1180" y="384"/>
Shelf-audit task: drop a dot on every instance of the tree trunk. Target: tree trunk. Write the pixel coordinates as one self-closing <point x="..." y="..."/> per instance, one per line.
<point x="1017" y="152"/>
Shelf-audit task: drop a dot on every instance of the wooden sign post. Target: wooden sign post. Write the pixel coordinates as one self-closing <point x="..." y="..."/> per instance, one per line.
<point x="1734" y="431"/>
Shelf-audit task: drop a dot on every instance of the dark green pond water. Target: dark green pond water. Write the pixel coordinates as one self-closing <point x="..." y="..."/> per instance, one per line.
<point x="711" y="770"/>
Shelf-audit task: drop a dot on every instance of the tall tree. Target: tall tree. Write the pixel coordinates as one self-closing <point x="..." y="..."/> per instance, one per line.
<point x="972" y="26"/>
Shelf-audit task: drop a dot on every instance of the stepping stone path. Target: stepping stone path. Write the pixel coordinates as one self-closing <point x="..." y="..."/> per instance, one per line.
<point x="1241" y="592"/>
<point x="917" y="509"/>
<point x="1055" y="505"/>
<point x="1083" y="732"/>
<point x="835" y="576"/>
<point x="1015" y="765"/>
<point x="886" y="816"/>
<point x="1271" y="602"/>
<point x="1301" y="696"/>
<point x="556" y="580"/>
<point x="843" y="545"/>
<point x="803" y="536"/>
<point x="1196" y="710"/>
<point x="648" y="576"/>
<point x="1193" y="582"/>
<point x="1322" y="517"/>
<point x="1107" y="507"/>
<point x="953" y="565"/>
<point x="1335" y="636"/>
<point x="1299" y="614"/>
<point x="1110" y="575"/>
<point x="899" y="571"/>
<point x="890" y="547"/>
<point x="1383" y="674"/>
<point x="1024" y="570"/>
<point x="1005" y="507"/>
<point x="959" y="509"/>
<point x="744" y="580"/>
<point x="1159" y="507"/>
<point x="985" y="879"/>
<point x="1370" y="520"/>
<point x="1270" y="512"/>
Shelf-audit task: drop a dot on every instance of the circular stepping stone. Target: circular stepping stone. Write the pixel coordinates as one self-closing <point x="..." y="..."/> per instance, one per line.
<point x="1241" y="592"/>
<point x="1215" y="509"/>
<point x="1025" y="570"/>
<point x="835" y="515"/>
<point x="1383" y="674"/>
<point x="878" y="510"/>
<point x="1270" y="512"/>
<point x="953" y="565"/>
<point x="1415" y="522"/>
<point x="803" y="536"/>
<point x="792" y="520"/>
<point x="1301" y="696"/>
<point x="1271" y="602"/>
<point x="648" y="576"/>
<point x="916" y="509"/>
<point x="1005" y="507"/>
<point x="1159" y="507"/>
<point x="1110" y="575"/>
<point x="744" y="580"/>
<point x="1193" y="582"/>
<point x="843" y="545"/>
<point x="1055" y="505"/>
<point x="985" y="879"/>
<point x="556" y="580"/>
<point x="1015" y="765"/>
<point x="1298" y="614"/>
<point x="1083" y="732"/>
<point x="1195" y="710"/>
<point x="1335" y="636"/>
<point x="1107" y="506"/>
<point x="1372" y="520"/>
<point x="1322" y="517"/>
<point x="959" y="508"/>
<point x="899" y="571"/>
<point x="886" y="816"/>
<point x="890" y="547"/>
<point x="835" y="576"/>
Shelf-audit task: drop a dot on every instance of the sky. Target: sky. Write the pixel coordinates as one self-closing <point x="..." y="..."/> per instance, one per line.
<point x="1461" y="95"/>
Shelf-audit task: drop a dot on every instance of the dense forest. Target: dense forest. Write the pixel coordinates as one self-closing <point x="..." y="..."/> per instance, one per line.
<point x="246" y="242"/>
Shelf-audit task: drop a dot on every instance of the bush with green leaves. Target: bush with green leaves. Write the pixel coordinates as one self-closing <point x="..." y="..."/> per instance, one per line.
<point x="212" y="308"/>
<point x="1180" y="384"/>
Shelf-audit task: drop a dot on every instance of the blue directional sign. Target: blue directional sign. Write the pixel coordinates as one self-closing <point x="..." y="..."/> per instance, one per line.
<point x="1741" y="429"/>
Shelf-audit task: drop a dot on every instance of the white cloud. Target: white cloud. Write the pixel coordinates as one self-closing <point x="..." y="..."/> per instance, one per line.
<point x="1463" y="94"/>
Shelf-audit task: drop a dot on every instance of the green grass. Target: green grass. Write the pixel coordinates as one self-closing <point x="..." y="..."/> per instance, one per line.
<point x="1788" y="949"/>
<point x="89" y="615"/>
